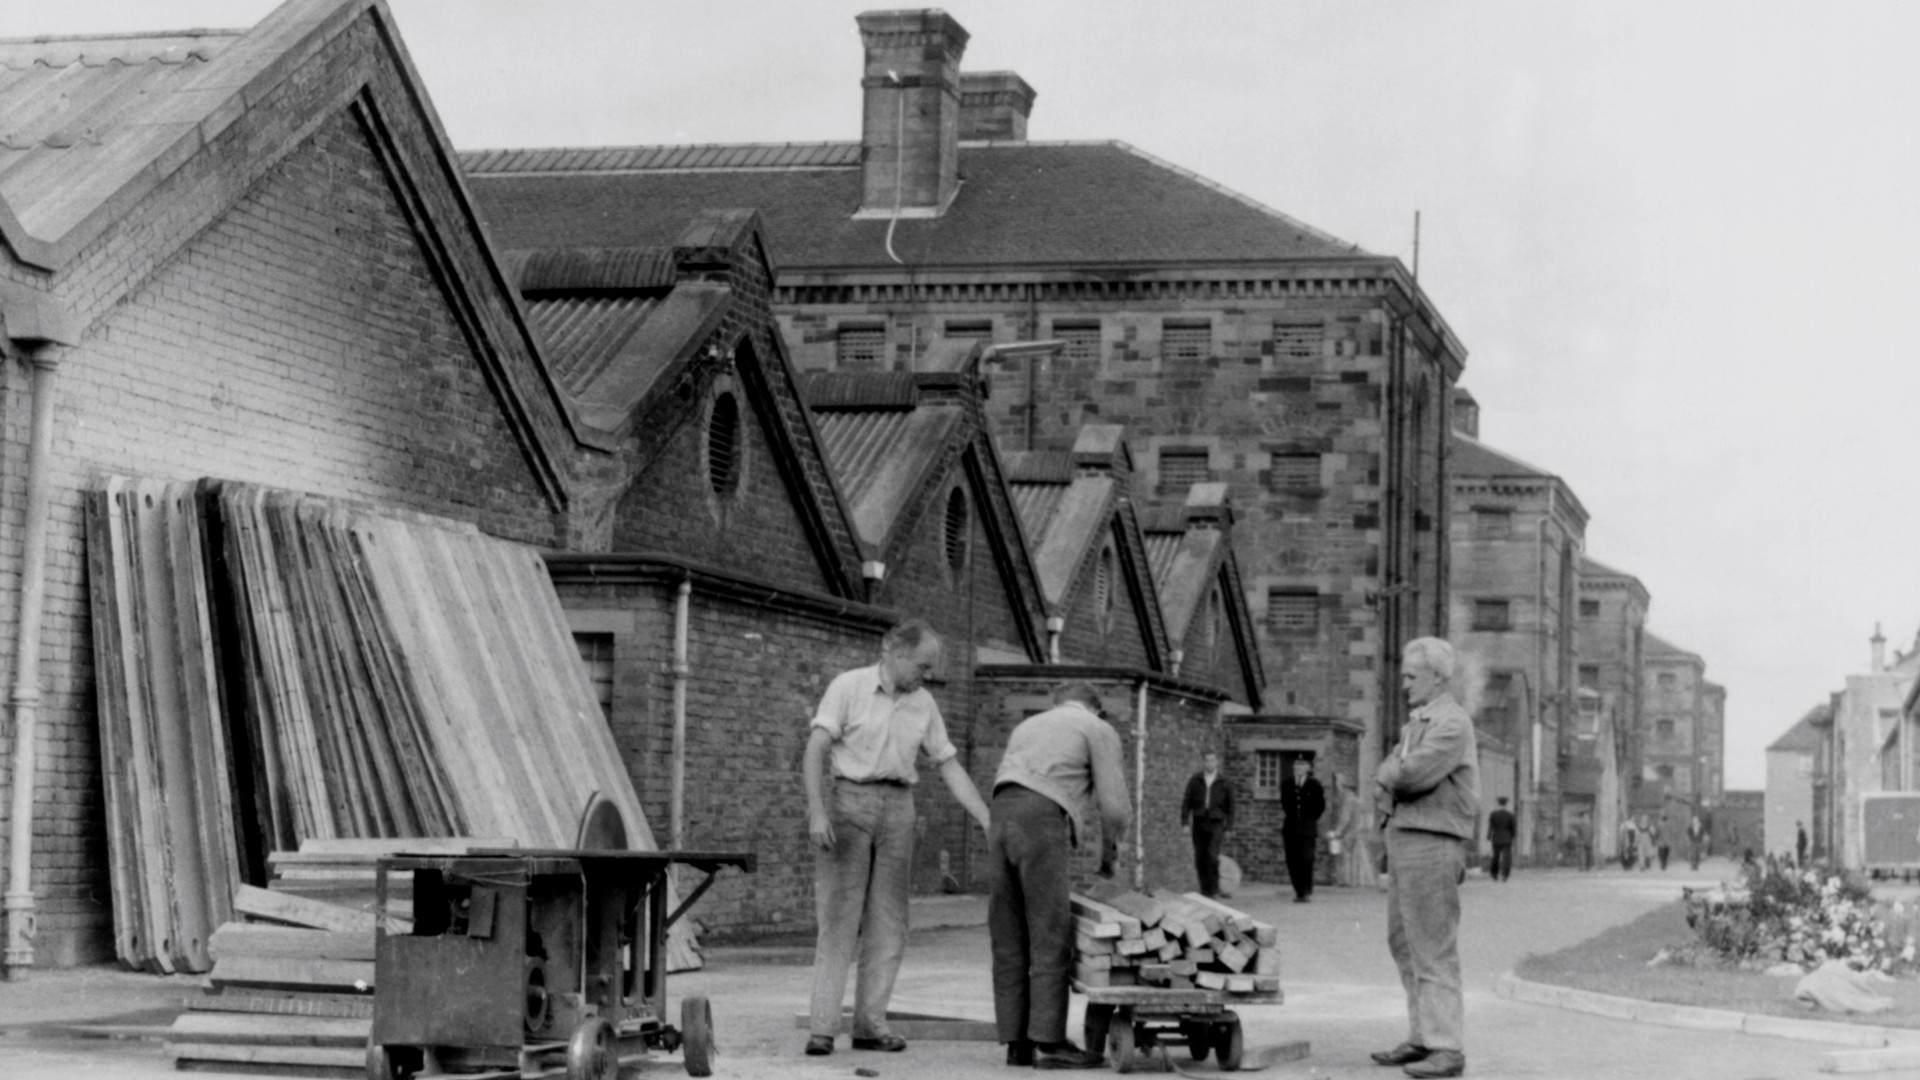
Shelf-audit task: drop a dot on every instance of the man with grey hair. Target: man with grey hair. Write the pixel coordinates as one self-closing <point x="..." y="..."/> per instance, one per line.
<point x="1429" y="789"/>
<point x="1058" y="764"/>
<point x="872" y="725"/>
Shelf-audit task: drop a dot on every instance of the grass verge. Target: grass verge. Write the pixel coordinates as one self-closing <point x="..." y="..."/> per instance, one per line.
<point x="1615" y="962"/>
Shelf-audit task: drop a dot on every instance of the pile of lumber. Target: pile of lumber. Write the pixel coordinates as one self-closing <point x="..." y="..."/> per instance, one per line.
<point x="1167" y="939"/>
<point x="291" y="990"/>
<point x="275" y="668"/>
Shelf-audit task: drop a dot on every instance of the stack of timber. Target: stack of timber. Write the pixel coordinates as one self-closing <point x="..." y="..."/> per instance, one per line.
<point x="1167" y="939"/>
<point x="276" y="668"/>
<point x="291" y="990"/>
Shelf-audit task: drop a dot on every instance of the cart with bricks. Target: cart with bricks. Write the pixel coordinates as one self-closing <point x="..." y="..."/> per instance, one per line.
<point x="1163" y="970"/>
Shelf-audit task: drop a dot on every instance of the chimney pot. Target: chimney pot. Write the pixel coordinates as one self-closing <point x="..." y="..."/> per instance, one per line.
<point x="994" y="105"/>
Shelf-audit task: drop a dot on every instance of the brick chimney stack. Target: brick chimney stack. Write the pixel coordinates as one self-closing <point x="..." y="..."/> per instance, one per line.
<point x="994" y="105"/>
<point x="910" y="121"/>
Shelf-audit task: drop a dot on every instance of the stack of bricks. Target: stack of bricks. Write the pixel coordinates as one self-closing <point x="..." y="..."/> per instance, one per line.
<point x="1175" y="941"/>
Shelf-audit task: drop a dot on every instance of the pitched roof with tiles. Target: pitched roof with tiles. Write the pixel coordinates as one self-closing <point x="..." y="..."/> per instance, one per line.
<point x="1471" y="457"/>
<point x="1655" y="647"/>
<point x="1802" y="736"/>
<point x="1020" y="204"/>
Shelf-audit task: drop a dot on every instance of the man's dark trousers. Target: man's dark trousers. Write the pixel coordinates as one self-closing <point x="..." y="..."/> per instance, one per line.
<point x="1030" y="915"/>
<point x="1502" y="867"/>
<point x="1209" y="833"/>
<point x="1299" y="848"/>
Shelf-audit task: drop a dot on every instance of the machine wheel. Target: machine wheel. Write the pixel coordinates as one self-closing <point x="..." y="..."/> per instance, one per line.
<point x="1120" y="1042"/>
<point x="1199" y="1036"/>
<point x="391" y="1063"/>
<point x="590" y="1053"/>
<point x="696" y="1034"/>
<point x="1230" y="1043"/>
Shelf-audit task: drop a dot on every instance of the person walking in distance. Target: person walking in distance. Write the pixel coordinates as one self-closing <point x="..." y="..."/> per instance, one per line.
<point x="860" y="770"/>
<point x="1799" y="844"/>
<point x="1208" y="805"/>
<point x="1430" y="793"/>
<point x="1058" y="766"/>
<point x="1347" y="837"/>
<point x="1696" y="840"/>
<point x="1500" y="832"/>
<point x="1303" y="801"/>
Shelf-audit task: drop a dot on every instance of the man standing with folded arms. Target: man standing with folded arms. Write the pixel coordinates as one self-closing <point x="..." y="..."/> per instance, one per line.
<point x="1430" y="793"/>
<point x="1058" y="766"/>
<point x="872" y="725"/>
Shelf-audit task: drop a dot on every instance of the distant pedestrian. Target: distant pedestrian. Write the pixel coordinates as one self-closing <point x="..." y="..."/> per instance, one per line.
<point x="1303" y="801"/>
<point x="1501" y="829"/>
<point x="1058" y="766"/>
<point x="1582" y="833"/>
<point x="1347" y="836"/>
<point x="1799" y="844"/>
<point x="859" y="768"/>
<point x="1208" y="805"/>
<point x="1629" y="841"/>
<point x="1430" y="796"/>
<point x="1696" y="839"/>
<point x="1662" y="846"/>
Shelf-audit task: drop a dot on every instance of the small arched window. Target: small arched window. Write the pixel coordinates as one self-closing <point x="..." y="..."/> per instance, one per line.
<point x="724" y="445"/>
<point x="958" y="529"/>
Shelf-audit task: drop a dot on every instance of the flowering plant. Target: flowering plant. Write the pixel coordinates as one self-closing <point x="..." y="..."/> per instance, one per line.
<point x="1779" y="913"/>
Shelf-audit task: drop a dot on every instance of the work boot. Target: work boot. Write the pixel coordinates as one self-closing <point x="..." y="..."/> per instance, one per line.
<point x="1404" y="1054"/>
<point x="1065" y="1056"/>
<point x="1439" y="1063"/>
<point x="1020" y="1053"/>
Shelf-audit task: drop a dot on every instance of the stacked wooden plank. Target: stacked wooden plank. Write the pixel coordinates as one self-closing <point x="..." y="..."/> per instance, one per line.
<point x="1166" y="939"/>
<point x="276" y="668"/>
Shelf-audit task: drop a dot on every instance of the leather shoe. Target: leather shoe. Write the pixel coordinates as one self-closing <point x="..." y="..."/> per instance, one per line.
<point x="892" y="1044"/>
<point x="1020" y="1052"/>
<point x="1439" y="1063"/>
<point x="1065" y="1056"/>
<point x="1404" y="1054"/>
<point x="819" y="1045"/>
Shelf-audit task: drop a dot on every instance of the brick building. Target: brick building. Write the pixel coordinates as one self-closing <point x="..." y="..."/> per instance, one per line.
<point x="1235" y="344"/>
<point x="1598" y="774"/>
<point x="1680" y="758"/>
<point x="245" y="255"/>
<point x="1796" y="789"/>
<point x="1517" y="534"/>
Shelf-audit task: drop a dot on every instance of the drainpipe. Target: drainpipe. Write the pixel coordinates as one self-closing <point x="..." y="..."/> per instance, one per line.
<point x="20" y="910"/>
<point x="678" y="820"/>
<point x="1140" y="787"/>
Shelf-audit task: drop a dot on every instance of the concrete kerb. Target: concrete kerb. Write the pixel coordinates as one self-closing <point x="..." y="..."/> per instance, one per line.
<point x="1879" y="1048"/>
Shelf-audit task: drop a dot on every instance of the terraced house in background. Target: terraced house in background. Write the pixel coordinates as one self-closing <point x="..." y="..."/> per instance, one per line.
<point x="1235" y="344"/>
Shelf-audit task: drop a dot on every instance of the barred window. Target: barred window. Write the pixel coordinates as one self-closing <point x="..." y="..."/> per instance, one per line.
<point x="1183" y="467"/>
<point x="958" y="530"/>
<point x="862" y="347"/>
<point x="1589" y="609"/>
<point x="1293" y="612"/>
<point x="1666" y="680"/>
<point x="1294" y="472"/>
<point x="1297" y="341"/>
<point x="968" y="329"/>
<point x="596" y="657"/>
<point x="1186" y="340"/>
<point x="1493" y="614"/>
<point x="724" y="445"/>
<point x="1082" y="337"/>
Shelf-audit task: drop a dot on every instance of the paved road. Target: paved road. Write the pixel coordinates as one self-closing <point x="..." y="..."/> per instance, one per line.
<point x="1342" y="995"/>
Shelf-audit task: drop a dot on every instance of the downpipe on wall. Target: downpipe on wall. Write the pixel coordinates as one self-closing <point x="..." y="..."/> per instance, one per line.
<point x="1140" y="787"/>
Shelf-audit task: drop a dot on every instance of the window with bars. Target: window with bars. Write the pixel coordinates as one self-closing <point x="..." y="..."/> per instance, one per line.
<point x="1082" y="337"/>
<point x="1492" y="523"/>
<point x="1182" y="339"/>
<point x="1589" y="609"/>
<point x="861" y="347"/>
<point x="1294" y="472"/>
<point x="968" y="329"/>
<point x="1666" y="680"/>
<point x="1181" y="468"/>
<point x="1293" y="612"/>
<point x="596" y="656"/>
<point x="1493" y="614"/>
<point x="724" y="445"/>
<point x="1663" y="730"/>
<point x="957" y="530"/>
<point x="1297" y="341"/>
<point x="1589" y="677"/>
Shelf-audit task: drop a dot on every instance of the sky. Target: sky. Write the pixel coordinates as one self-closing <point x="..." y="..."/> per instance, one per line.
<point x="1675" y="237"/>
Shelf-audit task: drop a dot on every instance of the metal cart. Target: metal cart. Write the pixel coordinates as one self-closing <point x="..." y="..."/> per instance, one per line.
<point x="1131" y="1022"/>
<point x="535" y="963"/>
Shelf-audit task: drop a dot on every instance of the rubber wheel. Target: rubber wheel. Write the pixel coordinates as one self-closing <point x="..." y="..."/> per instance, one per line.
<point x="1230" y="1043"/>
<point x="1120" y="1043"/>
<point x="590" y="1053"/>
<point x="1199" y="1038"/>
<point x="696" y="1034"/>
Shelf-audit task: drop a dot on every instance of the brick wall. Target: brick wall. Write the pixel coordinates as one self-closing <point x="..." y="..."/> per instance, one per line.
<point x="265" y="316"/>
<point x="1255" y="841"/>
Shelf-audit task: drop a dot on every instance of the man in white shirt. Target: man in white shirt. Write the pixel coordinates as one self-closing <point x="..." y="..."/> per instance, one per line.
<point x="860" y="769"/>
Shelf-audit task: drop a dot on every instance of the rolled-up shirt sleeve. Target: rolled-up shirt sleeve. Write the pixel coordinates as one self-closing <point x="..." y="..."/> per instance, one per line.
<point x="934" y="743"/>
<point x="831" y="716"/>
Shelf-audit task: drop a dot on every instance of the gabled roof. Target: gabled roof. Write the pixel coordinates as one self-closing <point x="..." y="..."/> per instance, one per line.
<point x="1802" y="737"/>
<point x="1471" y="457"/>
<point x="1020" y="204"/>
<point x="1655" y="647"/>
<point x="1189" y="550"/>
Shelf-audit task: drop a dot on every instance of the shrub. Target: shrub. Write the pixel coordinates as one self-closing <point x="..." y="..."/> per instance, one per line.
<point x="1801" y="916"/>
